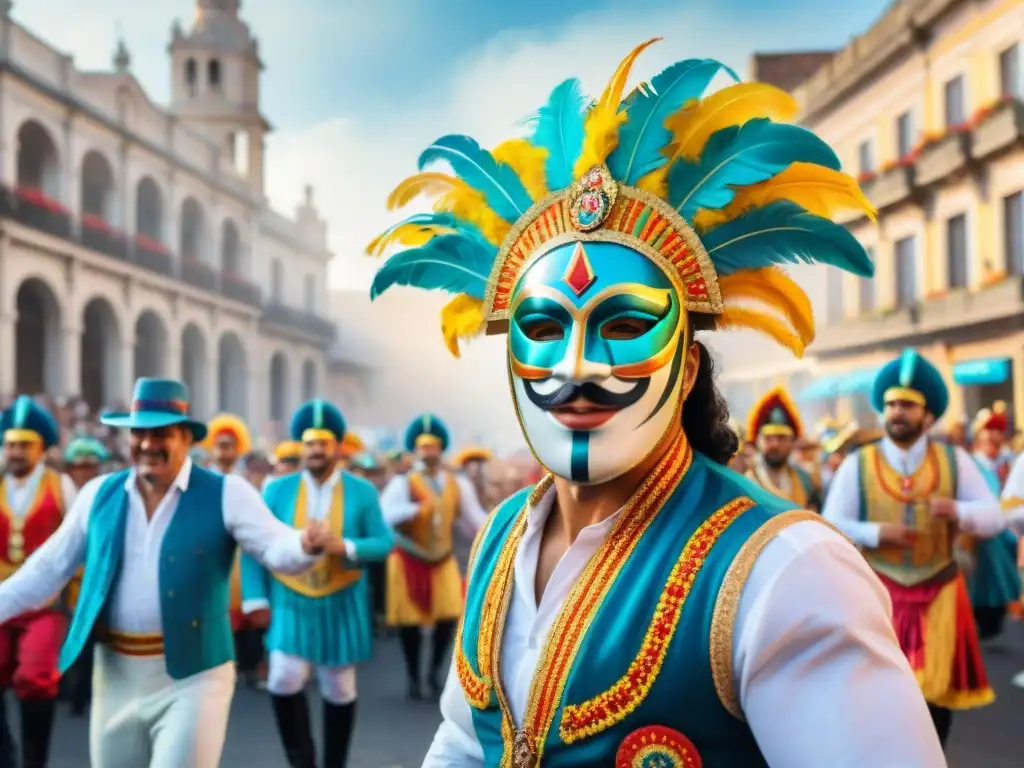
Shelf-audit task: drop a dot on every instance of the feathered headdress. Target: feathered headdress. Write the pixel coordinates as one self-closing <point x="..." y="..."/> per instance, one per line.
<point x="774" y="413"/>
<point x="228" y="423"/>
<point x="996" y="418"/>
<point x="711" y="188"/>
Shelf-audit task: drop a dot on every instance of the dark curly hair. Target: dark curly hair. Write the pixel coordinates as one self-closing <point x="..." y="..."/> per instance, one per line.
<point x="706" y="415"/>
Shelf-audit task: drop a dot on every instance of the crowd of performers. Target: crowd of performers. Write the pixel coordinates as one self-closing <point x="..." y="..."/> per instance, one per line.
<point x="202" y="551"/>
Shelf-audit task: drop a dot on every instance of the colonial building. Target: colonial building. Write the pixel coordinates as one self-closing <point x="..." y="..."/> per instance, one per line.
<point x="926" y="107"/>
<point x="137" y="240"/>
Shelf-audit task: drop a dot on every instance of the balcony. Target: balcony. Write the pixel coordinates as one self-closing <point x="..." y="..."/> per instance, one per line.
<point x="152" y="255"/>
<point x="96" y="234"/>
<point x="943" y="158"/>
<point x="307" y="322"/>
<point x="892" y="186"/>
<point x="999" y="130"/>
<point x="194" y="272"/>
<point x="237" y="288"/>
<point x="35" y="209"/>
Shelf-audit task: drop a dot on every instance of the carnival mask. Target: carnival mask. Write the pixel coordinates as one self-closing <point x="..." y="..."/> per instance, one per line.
<point x="595" y="357"/>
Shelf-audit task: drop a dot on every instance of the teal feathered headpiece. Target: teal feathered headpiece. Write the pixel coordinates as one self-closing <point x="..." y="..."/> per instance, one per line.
<point x="712" y="189"/>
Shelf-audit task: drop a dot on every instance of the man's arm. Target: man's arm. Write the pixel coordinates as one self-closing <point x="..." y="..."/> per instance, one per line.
<point x="842" y="505"/>
<point x="814" y="624"/>
<point x="455" y="744"/>
<point x="41" y="578"/>
<point x="472" y="515"/>
<point x="248" y="519"/>
<point x="375" y="539"/>
<point x="396" y="502"/>
<point x="977" y="509"/>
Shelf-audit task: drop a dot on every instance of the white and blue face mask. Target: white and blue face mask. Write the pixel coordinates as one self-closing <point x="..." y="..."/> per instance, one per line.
<point x="596" y="355"/>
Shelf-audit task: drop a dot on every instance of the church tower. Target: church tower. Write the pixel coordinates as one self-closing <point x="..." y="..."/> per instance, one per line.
<point x="215" y="84"/>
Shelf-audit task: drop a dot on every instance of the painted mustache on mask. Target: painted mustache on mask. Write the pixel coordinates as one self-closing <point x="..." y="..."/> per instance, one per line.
<point x="588" y="391"/>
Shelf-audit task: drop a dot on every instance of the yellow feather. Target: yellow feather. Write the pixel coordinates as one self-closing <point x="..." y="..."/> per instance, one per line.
<point x="528" y="163"/>
<point x="461" y="318"/>
<point x="742" y="317"/>
<point x="820" y="190"/>
<point x="601" y="129"/>
<point x="735" y="105"/>
<point x="471" y="206"/>
<point x="776" y="289"/>
<point x="655" y="182"/>
<point x="430" y="184"/>
<point x="412" y="235"/>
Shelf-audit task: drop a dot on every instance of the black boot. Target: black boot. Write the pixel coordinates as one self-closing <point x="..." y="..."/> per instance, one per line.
<point x="7" y="751"/>
<point x="292" y="715"/>
<point x="339" y="724"/>
<point x="411" y="639"/>
<point x="36" y="727"/>
<point x="440" y="644"/>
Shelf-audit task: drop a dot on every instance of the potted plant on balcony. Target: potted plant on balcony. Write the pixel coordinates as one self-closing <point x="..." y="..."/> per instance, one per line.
<point x="99" y="235"/>
<point x="151" y="254"/>
<point x="37" y="209"/>
<point x="194" y="271"/>
<point x="234" y="286"/>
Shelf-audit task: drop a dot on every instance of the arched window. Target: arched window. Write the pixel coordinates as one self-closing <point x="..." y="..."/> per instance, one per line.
<point x="190" y="76"/>
<point x="213" y="73"/>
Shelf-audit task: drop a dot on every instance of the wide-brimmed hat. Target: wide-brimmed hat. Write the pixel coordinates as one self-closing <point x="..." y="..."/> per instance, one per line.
<point x="157" y="403"/>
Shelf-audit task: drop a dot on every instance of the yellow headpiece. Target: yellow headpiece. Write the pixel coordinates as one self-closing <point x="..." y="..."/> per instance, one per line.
<point x="467" y="455"/>
<point x="227" y="423"/>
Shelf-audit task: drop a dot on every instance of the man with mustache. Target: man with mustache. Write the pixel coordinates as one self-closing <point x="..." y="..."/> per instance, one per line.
<point x="319" y="621"/>
<point x="33" y="499"/>
<point x="157" y="542"/>
<point x="904" y="500"/>
<point x="643" y="604"/>
<point x="424" y="584"/>
<point x="775" y="424"/>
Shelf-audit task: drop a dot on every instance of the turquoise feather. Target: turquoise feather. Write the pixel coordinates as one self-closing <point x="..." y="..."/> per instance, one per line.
<point x="443" y="219"/>
<point x="644" y="136"/>
<point x="908" y="366"/>
<point x="739" y="156"/>
<point x="498" y="182"/>
<point x="451" y="263"/>
<point x="783" y="233"/>
<point x="558" y="128"/>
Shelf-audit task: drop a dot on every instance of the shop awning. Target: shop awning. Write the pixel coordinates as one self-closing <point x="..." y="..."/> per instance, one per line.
<point x="822" y="388"/>
<point x="993" y="370"/>
<point x="857" y="382"/>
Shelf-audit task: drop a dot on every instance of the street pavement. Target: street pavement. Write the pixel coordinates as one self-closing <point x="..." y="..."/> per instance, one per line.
<point x="394" y="733"/>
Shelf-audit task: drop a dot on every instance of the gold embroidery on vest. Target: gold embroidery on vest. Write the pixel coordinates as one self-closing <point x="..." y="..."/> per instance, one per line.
<point x="431" y="529"/>
<point x="890" y="497"/>
<point x="797" y="490"/>
<point x="328" y="575"/>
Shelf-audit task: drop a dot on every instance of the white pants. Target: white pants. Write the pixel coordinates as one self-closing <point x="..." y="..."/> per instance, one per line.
<point x="288" y="675"/>
<point x="142" y="718"/>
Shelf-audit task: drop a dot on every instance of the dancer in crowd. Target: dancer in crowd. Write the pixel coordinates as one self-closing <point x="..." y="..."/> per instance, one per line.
<point x="227" y="440"/>
<point x="33" y="500"/>
<point x="643" y="604"/>
<point x="903" y="500"/>
<point x="424" y="584"/>
<point x="157" y="541"/>
<point x="319" y="621"/>
<point x="774" y="424"/>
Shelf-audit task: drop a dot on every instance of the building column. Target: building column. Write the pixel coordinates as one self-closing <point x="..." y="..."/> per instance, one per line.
<point x="72" y="348"/>
<point x="8" y="353"/>
<point x="211" y="397"/>
<point x="173" y="356"/>
<point x="128" y="366"/>
<point x="259" y="399"/>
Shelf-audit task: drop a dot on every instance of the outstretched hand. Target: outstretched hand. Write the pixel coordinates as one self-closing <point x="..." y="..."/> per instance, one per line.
<point x="313" y="538"/>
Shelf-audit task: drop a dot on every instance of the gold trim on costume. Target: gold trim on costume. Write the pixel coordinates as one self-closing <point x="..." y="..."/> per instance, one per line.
<point x="892" y="394"/>
<point x="797" y="492"/>
<point x="313" y="434"/>
<point x="16" y="523"/>
<point x="328" y="575"/>
<point x="129" y="644"/>
<point x="597" y="714"/>
<point x="727" y="605"/>
<point x="16" y="435"/>
<point x="783" y="430"/>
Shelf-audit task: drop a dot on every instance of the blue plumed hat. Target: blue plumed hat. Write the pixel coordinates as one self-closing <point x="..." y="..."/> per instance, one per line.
<point x="25" y="415"/>
<point x="317" y="415"/>
<point x="157" y="403"/>
<point x="911" y="377"/>
<point x="84" y="449"/>
<point x="426" y="428"/>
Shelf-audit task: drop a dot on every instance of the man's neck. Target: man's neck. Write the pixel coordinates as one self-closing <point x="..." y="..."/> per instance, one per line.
<point x="24" y="476"/>
<point x="323" y="475"/>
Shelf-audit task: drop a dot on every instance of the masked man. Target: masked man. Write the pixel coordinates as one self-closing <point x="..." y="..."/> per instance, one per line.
<point x="84" y="459"/>
<point x="903" y="500"/>
<point x="995" y="583"/>
<point x="157" y="541"/>
<point x="775" y="424"/>
<point x="643" y="604"/>
<point x="33" y="499"/>
<point x="319" y="621"/>
<point x="424" y="584"/>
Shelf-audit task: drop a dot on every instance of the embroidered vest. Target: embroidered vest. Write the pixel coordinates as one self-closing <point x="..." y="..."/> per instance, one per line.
<point x="638" y="666"/>
<point x="21" y="535"/>
<point x="289" y="502"/>
<point x="431" y="530"/>
<point x="194" y="571"/>
<point x="889" y="497"/>
<point x="799" y="484"/>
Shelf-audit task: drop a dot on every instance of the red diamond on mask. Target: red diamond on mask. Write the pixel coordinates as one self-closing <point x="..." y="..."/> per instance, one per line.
<point x="579" y="276"/>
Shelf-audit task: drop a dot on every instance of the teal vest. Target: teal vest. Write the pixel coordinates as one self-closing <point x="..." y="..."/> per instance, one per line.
<point x="648" y="668"/>
<point x="195" y="568"/>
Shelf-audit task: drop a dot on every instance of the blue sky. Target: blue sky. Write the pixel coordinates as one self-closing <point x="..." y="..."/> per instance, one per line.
<point x="355" y="89"/>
